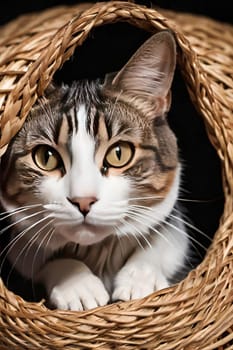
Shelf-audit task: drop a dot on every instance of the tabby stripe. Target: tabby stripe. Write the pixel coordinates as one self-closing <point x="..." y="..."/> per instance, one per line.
<point x="29" y="173"/>
<point x="158" y="157"/>
<point x="71" y="122"/>
<point x="75" y="116"/>
<point x="95" y="123"/>
<point x="160" y="121"/>
<point x="108" y="126"/>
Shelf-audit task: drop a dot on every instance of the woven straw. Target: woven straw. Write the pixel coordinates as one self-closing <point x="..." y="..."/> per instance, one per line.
<point x="198" y="312"/>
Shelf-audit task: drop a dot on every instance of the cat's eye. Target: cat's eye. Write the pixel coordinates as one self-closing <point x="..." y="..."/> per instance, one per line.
<point x="46" y="158"/>
<point x="119" y="155"/>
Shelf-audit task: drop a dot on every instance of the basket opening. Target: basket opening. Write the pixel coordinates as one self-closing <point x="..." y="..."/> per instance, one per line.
<point x="106" y="50"/>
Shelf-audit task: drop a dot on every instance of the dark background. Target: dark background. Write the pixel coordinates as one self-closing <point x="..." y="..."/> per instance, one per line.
<point x="107" y="50"/>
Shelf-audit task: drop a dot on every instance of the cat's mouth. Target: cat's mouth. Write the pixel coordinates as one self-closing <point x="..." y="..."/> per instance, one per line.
<point x="85" y="233"/>
<point x="93" y="227"/>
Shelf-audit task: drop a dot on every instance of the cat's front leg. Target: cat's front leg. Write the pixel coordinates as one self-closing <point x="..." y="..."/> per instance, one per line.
<point x="138" y="278"/>
<point x="70" y="285"/>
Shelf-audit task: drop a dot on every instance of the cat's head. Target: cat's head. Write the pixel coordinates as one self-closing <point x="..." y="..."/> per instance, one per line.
<point x="97" y="159"/>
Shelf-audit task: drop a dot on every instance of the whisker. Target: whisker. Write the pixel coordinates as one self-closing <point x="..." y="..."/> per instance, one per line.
<point x="172" y="245"/>
<point x="41" y="242"/>
<point x="186" y="223"/>
<point x="123" y="234"/>
<point x="211" y="200"/>
<point x="47" y="244"/>
<point x="141" y="234"/>
<point x="177" y="229"/>
<point x="18" y="236"/>
<point x="187" y="258"/>
<point x="178" y="199"/>
<point x="29" y="243"/>
<point x="4" y="215"/>
<point x="130" y="237"/>
<point x="136" y="215"/>
<point x="47" y="237"/>
<point x="110" y="203"/>
<point x="165" y="228"/>
<point x="192" y="240"/>
<point x="21" y="220"/>
<point x="186" y="234"/>
<point x="15" y="240"/>
<point x="147" y="212"/>
<point x="135" y="236"/>
<point x="144" y="198"/>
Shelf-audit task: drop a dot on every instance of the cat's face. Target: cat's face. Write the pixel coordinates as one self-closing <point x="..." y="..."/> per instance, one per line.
<point x="94" y="160"/>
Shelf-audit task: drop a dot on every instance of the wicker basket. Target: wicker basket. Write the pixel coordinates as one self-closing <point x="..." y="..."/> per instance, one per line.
<point x="198" y="312"/>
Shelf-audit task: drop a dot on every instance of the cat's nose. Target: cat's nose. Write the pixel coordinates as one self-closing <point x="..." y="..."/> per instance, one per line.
<point x="83" y="203"/>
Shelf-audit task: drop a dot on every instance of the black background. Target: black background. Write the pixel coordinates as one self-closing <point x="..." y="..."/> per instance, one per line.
<point x="107" y="50"/>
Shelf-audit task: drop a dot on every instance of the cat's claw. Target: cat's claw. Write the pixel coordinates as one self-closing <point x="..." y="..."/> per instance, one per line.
<point x="72" y="286"/>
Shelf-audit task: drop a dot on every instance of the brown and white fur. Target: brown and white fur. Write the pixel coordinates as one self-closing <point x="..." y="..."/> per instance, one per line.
<point x="98" y="224"/>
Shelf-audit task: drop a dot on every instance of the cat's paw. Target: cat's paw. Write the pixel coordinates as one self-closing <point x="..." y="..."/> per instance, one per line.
<point x="134" y="282"/>
<point x="86" y="293"/>
<point x="72" y="286"/>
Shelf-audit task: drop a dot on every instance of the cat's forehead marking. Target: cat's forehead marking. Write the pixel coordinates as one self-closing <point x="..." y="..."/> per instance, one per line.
<point x="84" y="172"/>
<point x="82" y="119"/>
<point x="82" y="142"/>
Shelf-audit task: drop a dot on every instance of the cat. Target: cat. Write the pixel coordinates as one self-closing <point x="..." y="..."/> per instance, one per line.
<point x="90" y="186"/>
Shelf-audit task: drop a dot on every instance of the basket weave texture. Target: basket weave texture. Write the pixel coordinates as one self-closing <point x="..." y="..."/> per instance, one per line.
<point x="194" y="314"/>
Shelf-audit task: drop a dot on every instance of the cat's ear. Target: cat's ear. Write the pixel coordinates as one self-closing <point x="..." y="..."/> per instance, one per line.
<point x="149" y="72"/>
